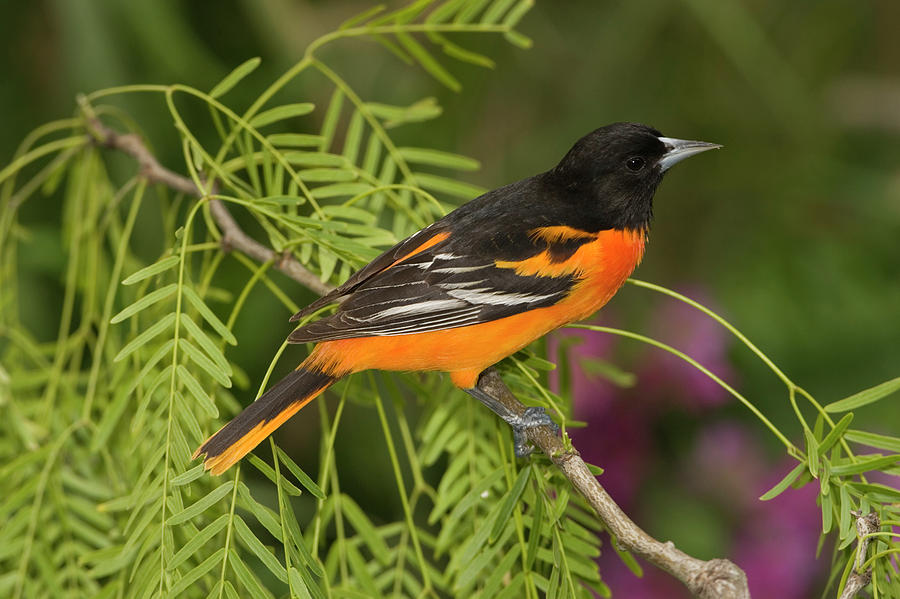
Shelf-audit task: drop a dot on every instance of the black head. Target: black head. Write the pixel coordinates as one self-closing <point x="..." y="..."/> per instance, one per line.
<point x="613" y="172"/>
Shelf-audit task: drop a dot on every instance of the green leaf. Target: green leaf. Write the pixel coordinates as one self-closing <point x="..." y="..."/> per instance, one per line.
<point x="470" y="551"/>
<point x="295" y="140"/>
<point x="438" y="158"/>
<point x="864" y="464"/>
<point x="247" y="577"/>
<point x="445" y="11"/>
<point x="188" y="476"/>
<point x="153" y="269"/>
<point x="460" y="53"/>
<point x="209" y="316"/>
<point x="405" y="14"/>
<point x="111" y="564"/>
<point x="300" y="475"/>
<point x="198" y="540"/>
<point x="469" y="11"/>
<point x="517" y="39"/>
<point x="334" y="190"/>
<point x="827" y="512"/>
<point x="364" y="529"/>
<point x="595" y="470"/>
<point x="145" y="302"/>
<point x="835" y="434"/>
<point x="265" y="516"/>
<point x="891" y="494"/>
<point x="269" y="473"/>
<point x="196" y="390"/>
<point x="359" y="568"/>
<point x="784" y="483"/>
<point x="282" y="200"/>
<point x="393" y="116"/>
<point x="628" y="559"/>
<point x="350" y="213"/>
<point x="812" y="452"/>
<point x="353" y="139"/>
<point x="298" y="587"/>
<point x="332" y="116"/>
<point x="513" y="590"/>
<point x="509" y="502"/>
<point x="152" y="331"/>
<point x="825" y="478"/>
<point x="327" y="262"/>
<point x="428" y="62"/>
<point x="315" y="159"/>
<point x="201" y="360"/>
<point x="232" y="78"/>
<point x="475" y="563"/>
<point x="865" y="397"/>
<point x="515" y="15"/>
<point x="258" y="549"/>
<point x="874" y="440"/>
<point x="495" y="11"/>
<point x="112" y="414"/>
<point x="327" y="174"/>
<point x="194" y="575"/>
<point x="205" y="343"/>
<point x="281" y="113"/>
<point x="465" y="191"/>
<point x="473" y="497"/>
<point x="536" y="533"/>
<point x="845" y="524"/>
<point x="361" y="17"/>
<point x="201" y="505"/>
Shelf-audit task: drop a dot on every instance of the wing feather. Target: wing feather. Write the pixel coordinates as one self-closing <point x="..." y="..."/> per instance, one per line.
<point x="434" y="290"/>
<point x="455" y="272"/>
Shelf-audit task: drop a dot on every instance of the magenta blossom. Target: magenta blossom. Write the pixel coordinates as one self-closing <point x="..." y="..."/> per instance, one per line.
<point x="774" y="542"/>
<point x="691" y="331"/>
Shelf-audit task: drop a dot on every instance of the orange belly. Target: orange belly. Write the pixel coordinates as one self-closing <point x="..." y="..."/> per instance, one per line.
<point x="466" y="351"/>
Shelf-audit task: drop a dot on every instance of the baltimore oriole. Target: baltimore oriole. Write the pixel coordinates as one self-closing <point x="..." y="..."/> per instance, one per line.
<point x="482" y="282"/>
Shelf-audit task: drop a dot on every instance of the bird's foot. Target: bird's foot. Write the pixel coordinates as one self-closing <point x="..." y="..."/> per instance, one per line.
<point x="531" y="418"/>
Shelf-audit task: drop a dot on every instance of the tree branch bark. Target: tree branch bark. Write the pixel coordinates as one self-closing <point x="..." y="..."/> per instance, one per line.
<point x="233" y="237"/>
<point x="713" y="579"/>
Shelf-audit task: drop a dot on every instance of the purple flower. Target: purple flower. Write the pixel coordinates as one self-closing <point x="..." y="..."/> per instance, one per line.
<point x="687" y="329"/>
<point x="775" y="541"/>
<point x="776" y="544"/>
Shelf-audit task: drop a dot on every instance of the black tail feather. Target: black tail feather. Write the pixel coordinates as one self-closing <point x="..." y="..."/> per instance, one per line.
<point x="258" y="420"/>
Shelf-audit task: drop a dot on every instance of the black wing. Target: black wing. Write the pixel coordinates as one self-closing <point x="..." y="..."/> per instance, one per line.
<point x="446" y="275"/>
<point x="382" y="262"/>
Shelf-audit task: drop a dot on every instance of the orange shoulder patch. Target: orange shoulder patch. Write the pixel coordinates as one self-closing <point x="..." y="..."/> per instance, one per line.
<point x="559" y="233"/>
<point x="431" y="242"/>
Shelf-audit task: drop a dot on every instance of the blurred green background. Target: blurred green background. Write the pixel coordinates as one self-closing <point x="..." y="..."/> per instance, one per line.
<point x="793" y="230"/>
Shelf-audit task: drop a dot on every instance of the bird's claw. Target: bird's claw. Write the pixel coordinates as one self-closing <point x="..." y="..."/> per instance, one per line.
<point x="531" y="418"/>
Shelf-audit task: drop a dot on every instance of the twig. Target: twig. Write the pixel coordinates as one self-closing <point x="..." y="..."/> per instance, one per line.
<point x="713" y="579"/>
<point x="233" y="237"/>
<point x="866" y="525"/>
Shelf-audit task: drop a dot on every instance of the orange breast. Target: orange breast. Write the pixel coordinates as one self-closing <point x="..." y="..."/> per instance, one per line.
<point x="604" y="264"/>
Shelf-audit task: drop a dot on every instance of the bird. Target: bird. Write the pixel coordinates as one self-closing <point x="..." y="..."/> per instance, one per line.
<point x="480" y="283"/>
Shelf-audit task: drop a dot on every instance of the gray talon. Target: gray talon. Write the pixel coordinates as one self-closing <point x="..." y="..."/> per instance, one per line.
<point x="531" y="418"/>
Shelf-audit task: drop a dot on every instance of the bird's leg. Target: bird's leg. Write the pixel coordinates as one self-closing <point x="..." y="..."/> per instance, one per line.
<point x="530" y="418"/>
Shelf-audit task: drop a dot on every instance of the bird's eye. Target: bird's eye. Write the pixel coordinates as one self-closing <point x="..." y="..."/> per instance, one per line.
<point x="635" y="163"/>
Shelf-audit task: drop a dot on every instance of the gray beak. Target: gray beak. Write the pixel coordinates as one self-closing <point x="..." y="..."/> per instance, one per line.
<point x="679" y="149"/>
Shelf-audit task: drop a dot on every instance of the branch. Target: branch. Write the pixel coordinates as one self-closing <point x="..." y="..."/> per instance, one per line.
<point x="866" y="525"/>
<point x="714" y="579"/>
<point x="233" y="237"/>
